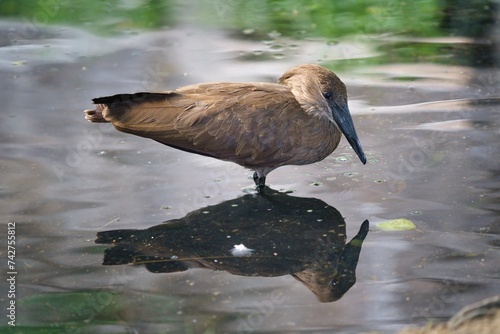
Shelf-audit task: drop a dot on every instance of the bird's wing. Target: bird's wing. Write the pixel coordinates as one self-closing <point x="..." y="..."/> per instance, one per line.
<point x="245" y="123"/>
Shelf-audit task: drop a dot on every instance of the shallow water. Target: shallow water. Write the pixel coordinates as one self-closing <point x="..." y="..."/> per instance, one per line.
<point x="430" y="131"/>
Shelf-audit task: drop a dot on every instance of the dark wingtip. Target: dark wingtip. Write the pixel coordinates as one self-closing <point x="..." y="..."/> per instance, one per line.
<point x="132" y="98"/>
<point x="117" y="98"/>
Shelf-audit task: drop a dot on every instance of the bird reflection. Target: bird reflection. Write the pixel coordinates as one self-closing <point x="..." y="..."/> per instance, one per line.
<point x="271" y="235"/>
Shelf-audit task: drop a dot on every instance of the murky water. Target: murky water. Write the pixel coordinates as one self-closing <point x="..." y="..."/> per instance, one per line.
<point x="430" y="130"/>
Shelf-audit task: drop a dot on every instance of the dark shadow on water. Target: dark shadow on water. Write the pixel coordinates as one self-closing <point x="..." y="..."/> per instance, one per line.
<point x="268" y="235"/>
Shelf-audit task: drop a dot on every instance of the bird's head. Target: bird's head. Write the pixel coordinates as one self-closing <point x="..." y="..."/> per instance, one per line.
<point x="321" y="93"/>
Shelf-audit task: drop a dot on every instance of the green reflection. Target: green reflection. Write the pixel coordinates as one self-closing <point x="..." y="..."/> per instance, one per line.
<point x="298" y="18"/>
<point x="104" y="17"/>
<point x="98" y="311"/>
<point x="399" y="31"/>
<point x="302" y="18"/>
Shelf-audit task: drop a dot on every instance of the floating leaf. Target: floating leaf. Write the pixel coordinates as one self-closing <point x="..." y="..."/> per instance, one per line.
<point x="18" y="63"/>
<point x="399" y="224"/>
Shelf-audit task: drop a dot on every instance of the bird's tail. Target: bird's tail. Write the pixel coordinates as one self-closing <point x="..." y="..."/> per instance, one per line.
<point x="95" y="115"/>
<point x="132" y="247"/>
<point x="101" y="113"/>
<point x="127" y="110"/>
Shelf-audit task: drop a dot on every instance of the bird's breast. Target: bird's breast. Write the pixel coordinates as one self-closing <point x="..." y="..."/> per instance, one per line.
<point x="293" y="142"/>
<point x="319" y="138"/>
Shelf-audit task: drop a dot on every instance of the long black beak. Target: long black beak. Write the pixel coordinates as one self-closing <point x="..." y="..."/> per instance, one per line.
<point x="343" y="118"/>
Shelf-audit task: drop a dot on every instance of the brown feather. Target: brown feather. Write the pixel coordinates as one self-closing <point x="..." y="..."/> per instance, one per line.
<point x="256" y="125"/>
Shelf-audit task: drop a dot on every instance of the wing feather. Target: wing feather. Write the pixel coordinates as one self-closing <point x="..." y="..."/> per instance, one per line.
<point x="244" y="123"/>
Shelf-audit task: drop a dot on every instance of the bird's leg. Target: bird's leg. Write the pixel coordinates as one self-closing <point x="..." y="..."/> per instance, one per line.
<point x="260" y="181"/>
<point x="256" y="178"/>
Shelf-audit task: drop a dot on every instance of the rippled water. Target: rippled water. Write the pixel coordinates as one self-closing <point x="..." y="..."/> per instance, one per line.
<point x="430" y="131"/>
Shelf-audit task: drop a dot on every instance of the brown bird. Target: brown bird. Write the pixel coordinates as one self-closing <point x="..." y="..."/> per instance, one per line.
<point x="260" y="126"/>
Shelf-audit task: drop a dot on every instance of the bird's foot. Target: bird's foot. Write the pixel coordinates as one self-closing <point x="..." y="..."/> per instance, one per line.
<point x="95" y="116"/>
<point x="260" y="182"/>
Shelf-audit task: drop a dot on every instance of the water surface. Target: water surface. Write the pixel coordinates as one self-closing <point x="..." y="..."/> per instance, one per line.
<point x="429" y="128"/>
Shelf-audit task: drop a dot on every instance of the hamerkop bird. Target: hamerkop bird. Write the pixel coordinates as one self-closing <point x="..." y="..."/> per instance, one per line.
<point x="261" y="126"/>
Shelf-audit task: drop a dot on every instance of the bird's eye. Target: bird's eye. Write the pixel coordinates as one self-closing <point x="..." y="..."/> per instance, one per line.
<point x="327" y="95"/>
